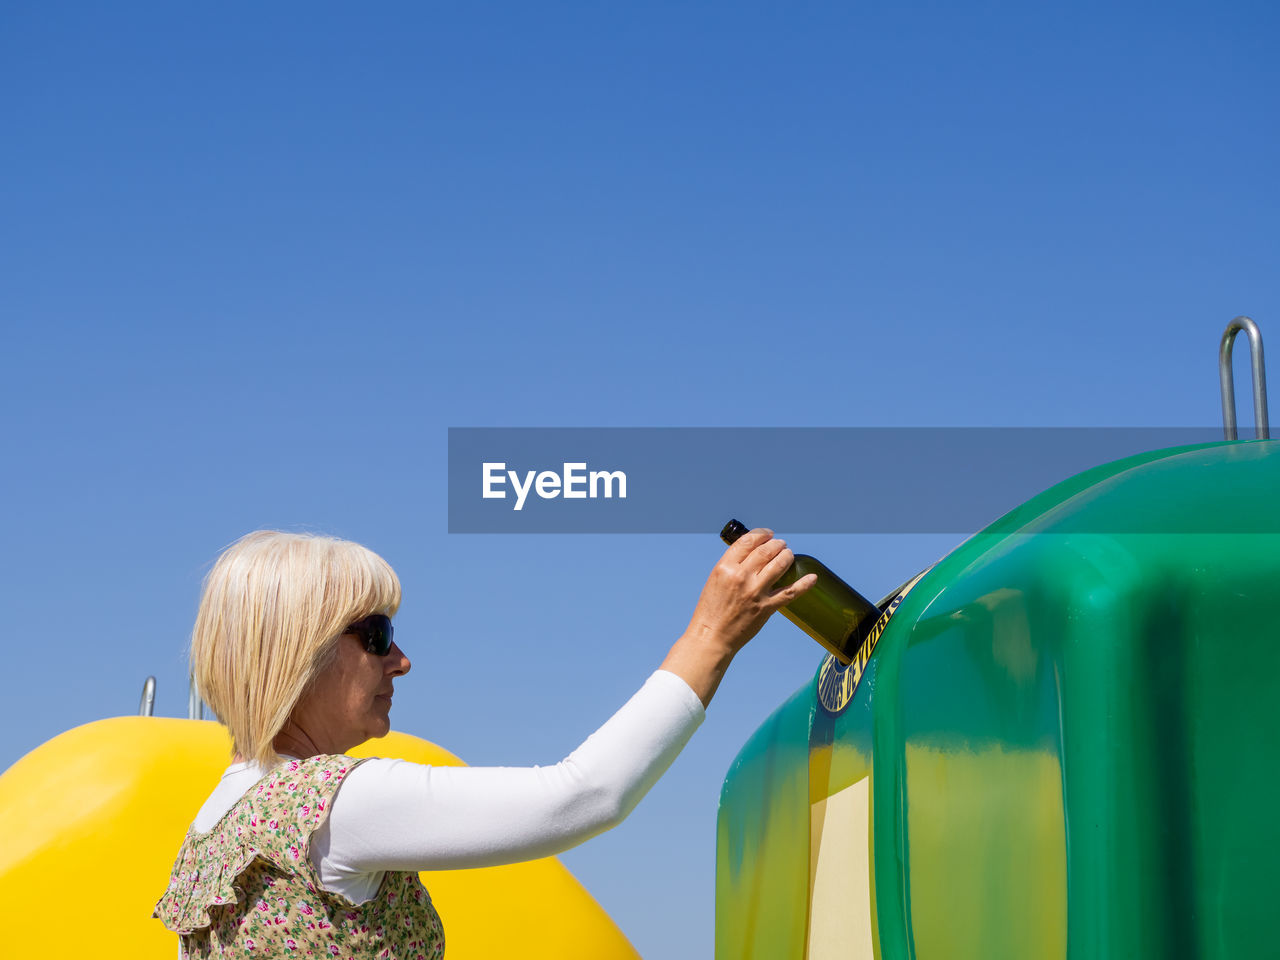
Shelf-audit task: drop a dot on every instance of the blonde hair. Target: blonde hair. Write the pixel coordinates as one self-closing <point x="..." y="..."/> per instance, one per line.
<point x="272" y="609"/>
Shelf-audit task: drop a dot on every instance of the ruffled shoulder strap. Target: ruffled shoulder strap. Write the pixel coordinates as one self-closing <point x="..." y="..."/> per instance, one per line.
<point x="273" y="821"/>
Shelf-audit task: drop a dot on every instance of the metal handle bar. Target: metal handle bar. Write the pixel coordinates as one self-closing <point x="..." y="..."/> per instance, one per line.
<point x="148" y="705"/>
<point x="1228" y="381"/>
<point x="195" y="705"/>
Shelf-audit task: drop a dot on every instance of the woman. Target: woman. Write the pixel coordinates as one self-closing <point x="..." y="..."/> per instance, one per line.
<point x="301" y="849"/>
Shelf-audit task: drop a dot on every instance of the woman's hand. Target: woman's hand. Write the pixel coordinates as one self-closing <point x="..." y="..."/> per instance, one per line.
<point x="736" y="601"/>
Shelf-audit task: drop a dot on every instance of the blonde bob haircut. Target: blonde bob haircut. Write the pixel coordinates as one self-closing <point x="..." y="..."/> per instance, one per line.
<point x="272" y="610"/>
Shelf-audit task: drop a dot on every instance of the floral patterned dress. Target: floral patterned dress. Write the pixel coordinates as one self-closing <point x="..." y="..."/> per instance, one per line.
<point x="247" y="888"/>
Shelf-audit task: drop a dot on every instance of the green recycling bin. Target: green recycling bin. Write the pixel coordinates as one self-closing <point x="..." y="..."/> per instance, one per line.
<point x="1064" y="743"/>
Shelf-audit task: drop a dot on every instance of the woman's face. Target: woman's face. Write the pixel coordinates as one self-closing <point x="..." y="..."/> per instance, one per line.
<point x="350" y="701"/>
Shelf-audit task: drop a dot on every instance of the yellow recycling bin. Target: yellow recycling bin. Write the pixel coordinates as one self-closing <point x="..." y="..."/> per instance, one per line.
<point x="93" y="819"/>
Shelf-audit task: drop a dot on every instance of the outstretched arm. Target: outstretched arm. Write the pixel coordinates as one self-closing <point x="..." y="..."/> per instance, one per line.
<point x="393" y="815"/>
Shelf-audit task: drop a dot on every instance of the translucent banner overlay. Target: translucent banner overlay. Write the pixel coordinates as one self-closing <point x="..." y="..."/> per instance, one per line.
<point x="823" y="480"/>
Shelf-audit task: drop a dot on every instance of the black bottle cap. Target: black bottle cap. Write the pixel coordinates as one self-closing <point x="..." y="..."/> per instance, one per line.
<point x="732" y="531"/>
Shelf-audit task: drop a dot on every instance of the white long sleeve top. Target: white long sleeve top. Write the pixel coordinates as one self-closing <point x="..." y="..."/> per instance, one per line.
<point x="396" y="815"/>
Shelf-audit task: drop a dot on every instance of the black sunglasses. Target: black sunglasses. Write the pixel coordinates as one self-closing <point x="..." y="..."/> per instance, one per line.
<point x="375" y="631"/>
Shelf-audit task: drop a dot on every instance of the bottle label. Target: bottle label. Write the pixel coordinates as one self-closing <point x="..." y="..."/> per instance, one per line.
<point x="837" y="682"/>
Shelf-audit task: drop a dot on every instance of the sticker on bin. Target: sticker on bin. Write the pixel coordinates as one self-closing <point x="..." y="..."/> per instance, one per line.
<point x="838" y="682"/>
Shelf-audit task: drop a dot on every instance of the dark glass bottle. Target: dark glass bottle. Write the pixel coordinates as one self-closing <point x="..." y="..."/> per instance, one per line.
<point x="831" y="611"/>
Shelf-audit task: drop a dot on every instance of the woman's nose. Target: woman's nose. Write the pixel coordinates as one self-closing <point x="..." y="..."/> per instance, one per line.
<point x="398" y="661"/>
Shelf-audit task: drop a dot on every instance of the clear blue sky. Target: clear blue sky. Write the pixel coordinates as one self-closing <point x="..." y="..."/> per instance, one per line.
<point x="257" y="261"/>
